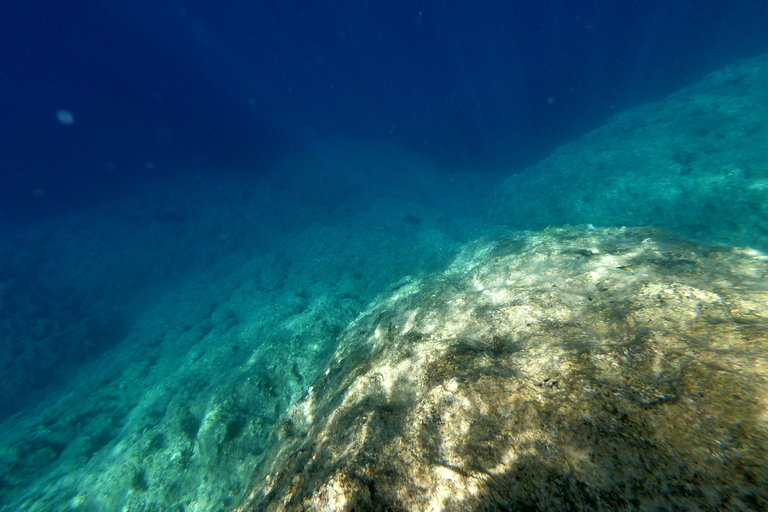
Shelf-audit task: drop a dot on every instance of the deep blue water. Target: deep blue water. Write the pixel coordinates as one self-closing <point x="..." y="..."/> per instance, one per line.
<point x="157" y="88"/>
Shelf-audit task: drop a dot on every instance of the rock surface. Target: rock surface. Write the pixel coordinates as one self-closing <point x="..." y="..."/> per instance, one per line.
<point x="573" y="369"/>
<point x="695" y="163"/>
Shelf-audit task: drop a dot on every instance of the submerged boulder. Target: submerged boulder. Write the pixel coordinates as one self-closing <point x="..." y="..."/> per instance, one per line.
<point x="573" y="369"/>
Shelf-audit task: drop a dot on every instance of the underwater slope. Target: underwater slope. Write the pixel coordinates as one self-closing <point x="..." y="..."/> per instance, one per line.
<point x="695" y="163"/>
<point x="573" y="369"/>
<point x="237" y="291"/>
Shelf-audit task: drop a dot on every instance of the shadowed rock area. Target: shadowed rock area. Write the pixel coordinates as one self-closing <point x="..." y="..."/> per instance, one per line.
<point x="572" y="369"/>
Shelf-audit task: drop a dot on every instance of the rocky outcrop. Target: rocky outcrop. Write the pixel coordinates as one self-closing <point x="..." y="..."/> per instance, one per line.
<point x="695" y="163"/>
<point x="573" y="369"/>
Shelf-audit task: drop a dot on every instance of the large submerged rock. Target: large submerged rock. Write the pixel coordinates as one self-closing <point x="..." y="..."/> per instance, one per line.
<point x="574" y="369"/>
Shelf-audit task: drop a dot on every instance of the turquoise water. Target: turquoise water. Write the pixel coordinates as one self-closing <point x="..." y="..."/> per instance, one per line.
<point x="157" y="339"/>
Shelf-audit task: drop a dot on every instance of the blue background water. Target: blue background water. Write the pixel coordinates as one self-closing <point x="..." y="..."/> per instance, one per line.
<point x="158" y="88"/>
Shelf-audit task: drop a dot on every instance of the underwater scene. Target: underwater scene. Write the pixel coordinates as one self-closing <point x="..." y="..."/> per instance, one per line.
<point x="383" y="256"/>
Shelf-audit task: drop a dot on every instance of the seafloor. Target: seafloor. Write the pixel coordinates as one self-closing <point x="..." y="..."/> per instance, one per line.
<point x="355" y="330"/>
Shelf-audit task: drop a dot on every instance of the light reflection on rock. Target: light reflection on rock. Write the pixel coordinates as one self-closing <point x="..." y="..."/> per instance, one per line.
<point x="573" y="369"/>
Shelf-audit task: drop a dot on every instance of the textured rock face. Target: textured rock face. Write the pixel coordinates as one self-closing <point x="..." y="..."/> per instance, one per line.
<point x="574" y="369"/>
<point x="695" y="163"/>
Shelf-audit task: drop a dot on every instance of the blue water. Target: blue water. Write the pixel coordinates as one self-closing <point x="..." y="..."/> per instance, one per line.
<point x="236" y="181"/>
<point x="157" y="88"/>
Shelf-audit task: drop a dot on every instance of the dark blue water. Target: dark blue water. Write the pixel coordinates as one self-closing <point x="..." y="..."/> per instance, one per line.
<point x="156" y="88"/>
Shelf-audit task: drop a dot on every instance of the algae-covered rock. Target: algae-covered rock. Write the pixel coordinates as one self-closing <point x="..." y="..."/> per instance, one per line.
<point x="695" y="163"/>
<point x="574" y="369"/>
